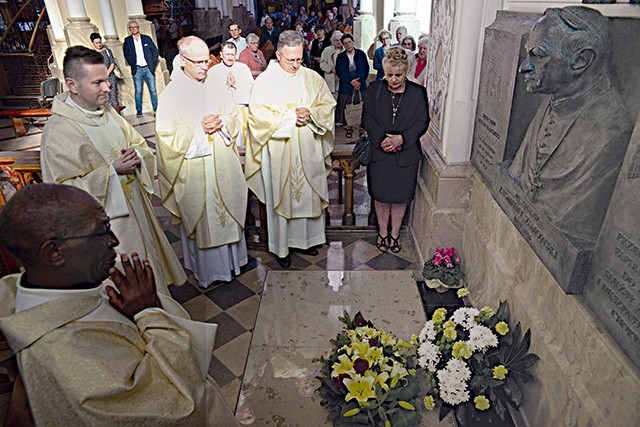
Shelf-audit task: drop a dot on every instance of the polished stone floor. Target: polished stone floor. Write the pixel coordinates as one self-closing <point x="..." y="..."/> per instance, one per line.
<point x="273" y="322"/>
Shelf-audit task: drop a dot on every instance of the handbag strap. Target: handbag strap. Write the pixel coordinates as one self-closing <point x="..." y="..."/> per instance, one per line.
<point x="353" y="96"/>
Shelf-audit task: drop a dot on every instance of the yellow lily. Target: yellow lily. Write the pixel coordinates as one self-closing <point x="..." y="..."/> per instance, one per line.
<point x="345" y="366"/>
<point x="360" y="388"/>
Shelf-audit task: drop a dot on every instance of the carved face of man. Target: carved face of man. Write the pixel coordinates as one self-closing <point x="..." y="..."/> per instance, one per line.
<point x="546" y="69"/>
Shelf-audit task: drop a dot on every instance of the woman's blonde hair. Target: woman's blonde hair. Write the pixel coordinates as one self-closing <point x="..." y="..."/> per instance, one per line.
<point x="396" y="57"/>
<point x="382" y="33"/>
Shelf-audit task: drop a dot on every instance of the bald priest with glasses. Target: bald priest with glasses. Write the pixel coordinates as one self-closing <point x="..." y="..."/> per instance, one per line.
<point x="199" y="169"/>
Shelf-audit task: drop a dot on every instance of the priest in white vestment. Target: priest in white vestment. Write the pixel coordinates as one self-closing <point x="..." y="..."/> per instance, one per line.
<point x="236" y="77"/>
<point x="199" y="168"/>
<point x="287" y="163"/>
<point x="89" y="355"/>
<point x="88" y="145"/>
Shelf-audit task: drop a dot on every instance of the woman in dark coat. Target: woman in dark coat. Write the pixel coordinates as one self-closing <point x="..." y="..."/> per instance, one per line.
<point x="396" y="115"/>
<point x="352" y="69"/>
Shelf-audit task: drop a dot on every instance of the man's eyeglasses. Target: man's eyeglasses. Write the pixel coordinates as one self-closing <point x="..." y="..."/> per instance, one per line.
<point x="107" y="232"/>
<point x="292" y="60"/>
<point x="203" y="62"/>
<point x="101" y="234"/>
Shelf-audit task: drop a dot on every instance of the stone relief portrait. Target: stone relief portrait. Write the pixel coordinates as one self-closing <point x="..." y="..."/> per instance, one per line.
<point x="569" y="160"/>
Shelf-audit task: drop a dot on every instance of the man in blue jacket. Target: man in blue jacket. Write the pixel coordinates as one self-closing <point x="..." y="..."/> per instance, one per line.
<point x="142" y="56"/>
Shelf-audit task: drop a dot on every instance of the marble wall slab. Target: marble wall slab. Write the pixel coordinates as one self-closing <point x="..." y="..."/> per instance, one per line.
<point x="584" y="378"/>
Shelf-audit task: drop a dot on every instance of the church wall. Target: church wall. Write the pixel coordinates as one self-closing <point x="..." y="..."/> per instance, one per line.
<point x="584" y="378"/>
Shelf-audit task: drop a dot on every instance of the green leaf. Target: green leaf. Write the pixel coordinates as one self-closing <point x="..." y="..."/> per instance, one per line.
<point x="406" y="405"/>
<point x="351" y="412"/>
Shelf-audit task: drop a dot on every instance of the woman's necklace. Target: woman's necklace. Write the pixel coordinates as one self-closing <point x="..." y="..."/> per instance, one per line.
<point x="394" y="106"/>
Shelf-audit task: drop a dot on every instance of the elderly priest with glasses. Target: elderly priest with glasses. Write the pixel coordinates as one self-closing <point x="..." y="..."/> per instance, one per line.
<point x="199" y="169"/>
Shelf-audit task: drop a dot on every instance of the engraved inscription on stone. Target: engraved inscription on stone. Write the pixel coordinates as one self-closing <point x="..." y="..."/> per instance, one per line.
<point x="613" y="284"/>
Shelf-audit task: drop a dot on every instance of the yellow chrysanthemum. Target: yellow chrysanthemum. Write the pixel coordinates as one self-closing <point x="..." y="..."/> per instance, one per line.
<point x="439" y="315"/>
<point x="482" y="403"/>
<point x="449" y="324"/>
<point x="463" y="292"/>
<point x="449" y="334"/>
<point x="461" y="350"/>
<point x="344" y="366"/>
<point x="500" y="372"/>
<point x="429" y="403"/>
<point x="360" y="388"/>
<point x="487" y="311"/>
<point x="414" y="339"/>
<point x="502" y="328"/>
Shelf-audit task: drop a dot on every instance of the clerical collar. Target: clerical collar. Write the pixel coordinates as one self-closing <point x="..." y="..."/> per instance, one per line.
<point x="571" y="104"/>
<point x="31" y="297"/>
<point x="93" y="114"/>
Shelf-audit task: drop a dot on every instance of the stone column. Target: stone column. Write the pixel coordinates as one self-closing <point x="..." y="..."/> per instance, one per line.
<point x="80" y="27"/>
<point x="405" y="15"/>
<point x="56" y="35"/>
<point x="214" y="19"/>
<point x="136" y="12"/>
<point x="199" y="22"/>
<point x="364" y="29"/>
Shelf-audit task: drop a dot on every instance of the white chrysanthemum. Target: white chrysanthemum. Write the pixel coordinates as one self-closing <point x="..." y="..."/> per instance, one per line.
<point x="464" y="316"/>
<point x="452" y="381"/>
<point x="430" y="353"/>
<point x="428" y="332"/>
<point x="481" y="338"/>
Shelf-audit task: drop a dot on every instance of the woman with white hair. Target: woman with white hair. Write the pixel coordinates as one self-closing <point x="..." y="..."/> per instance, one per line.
<point x="418" y="71"/>
<point x="328" y="62"/>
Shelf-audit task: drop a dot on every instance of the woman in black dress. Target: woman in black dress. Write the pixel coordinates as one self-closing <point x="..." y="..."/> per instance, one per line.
<point x="395" y="115"/>
<point x="110" y="63"/>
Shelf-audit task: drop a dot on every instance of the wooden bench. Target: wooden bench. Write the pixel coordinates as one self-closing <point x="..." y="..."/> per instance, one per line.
<point x="18" y="116"/>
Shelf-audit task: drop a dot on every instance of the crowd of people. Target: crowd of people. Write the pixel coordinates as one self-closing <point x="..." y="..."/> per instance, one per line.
<point x="99" y="175"/>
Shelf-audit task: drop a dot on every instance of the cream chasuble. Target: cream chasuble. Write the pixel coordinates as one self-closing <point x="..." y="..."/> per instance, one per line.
<point x="287" y="165"/>
<point x="78" y="147"/>
<point x="201" y="179"/>
<point x="84" y="363"/>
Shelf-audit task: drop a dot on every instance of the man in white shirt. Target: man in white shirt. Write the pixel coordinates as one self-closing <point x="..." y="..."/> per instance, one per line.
<point x="239" y="41"/>
<point x="199" y="169"/>
<point x="142" y="56"/>
<point x="99" y="356"/>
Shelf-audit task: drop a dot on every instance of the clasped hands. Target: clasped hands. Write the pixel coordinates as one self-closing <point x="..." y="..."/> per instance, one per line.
<point x="128" y="162"/>
<point x="303" y="116"/>
<point x="211" y="123"/>
<point x="136" y="286"/>
<point x="392" y="143"/>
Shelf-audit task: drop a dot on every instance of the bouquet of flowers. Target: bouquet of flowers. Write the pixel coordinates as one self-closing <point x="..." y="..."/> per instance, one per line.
<point x="473" y="360"/>
<point x="443" y="270"/>
<point x="370" y="377"/>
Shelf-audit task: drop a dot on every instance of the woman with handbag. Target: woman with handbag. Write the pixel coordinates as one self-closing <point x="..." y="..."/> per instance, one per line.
<point x="395" y="115"/>
<point x="110" y="63"/>
<point x="352" y="69"/>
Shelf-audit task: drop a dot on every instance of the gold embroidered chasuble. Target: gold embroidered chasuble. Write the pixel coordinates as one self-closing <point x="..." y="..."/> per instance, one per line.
<point x="77" y="149"/>
<point x="206" y="192"/>
<point x="300" y="160"/>
<point x="85" y="364"/>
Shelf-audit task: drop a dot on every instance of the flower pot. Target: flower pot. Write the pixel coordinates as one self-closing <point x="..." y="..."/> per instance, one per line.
<point x="441" y="287"/>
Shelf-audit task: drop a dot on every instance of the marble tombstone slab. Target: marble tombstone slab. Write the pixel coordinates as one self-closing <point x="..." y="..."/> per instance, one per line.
<point x="580" y="215"/>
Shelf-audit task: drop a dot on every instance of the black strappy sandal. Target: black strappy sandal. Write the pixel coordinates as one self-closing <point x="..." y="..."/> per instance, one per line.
<point x="394" y="244"/>
<point x="382" y="243"/>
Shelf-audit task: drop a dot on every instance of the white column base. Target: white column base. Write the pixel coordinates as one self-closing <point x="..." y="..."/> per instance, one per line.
<point x="78" y="30"/>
